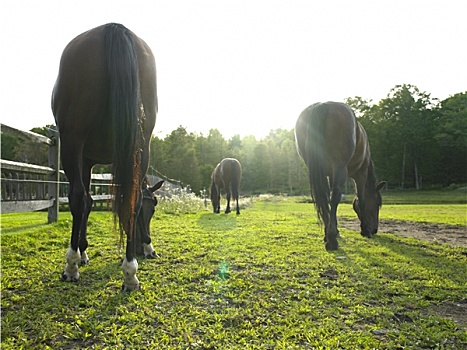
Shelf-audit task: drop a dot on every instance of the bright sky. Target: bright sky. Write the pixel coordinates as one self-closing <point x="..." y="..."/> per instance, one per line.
<point x="244" y="66"/>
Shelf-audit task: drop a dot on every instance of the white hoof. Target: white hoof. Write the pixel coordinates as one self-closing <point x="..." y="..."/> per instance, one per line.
<point x="71" y="273"/>
<point x="149" y="251"/>
<point x="84" y="258"/>
<point x="130" y="281"/>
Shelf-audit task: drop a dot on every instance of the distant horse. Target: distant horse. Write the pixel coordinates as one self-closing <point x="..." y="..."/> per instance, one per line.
<point x="226" y="176"/>
<point x="105" y="104"/>
<point x="334" y="145"/>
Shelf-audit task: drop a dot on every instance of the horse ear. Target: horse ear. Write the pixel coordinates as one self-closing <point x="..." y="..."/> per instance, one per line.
<point x="157" y="186"/>
<point x="381" y="185"/>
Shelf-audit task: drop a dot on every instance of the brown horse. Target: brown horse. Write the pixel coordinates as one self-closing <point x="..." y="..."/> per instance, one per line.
<point x="226" y="176"/>
<point x="105" y="104"/>
<point x="334" y="145"/>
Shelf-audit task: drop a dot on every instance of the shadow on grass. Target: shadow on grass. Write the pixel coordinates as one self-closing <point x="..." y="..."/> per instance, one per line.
<point x="23" y="229"/>
<point x="426" y="265"/>
<point x="218" y="222"/>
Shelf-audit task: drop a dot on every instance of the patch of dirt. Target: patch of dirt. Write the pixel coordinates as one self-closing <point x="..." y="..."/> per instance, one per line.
<point x="455" y="311"/>
<point x="431" y="232"/>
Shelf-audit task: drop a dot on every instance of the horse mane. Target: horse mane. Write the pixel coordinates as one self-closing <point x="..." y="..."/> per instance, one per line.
<point x="371" y="181"/>
<point x="371" y="176"/>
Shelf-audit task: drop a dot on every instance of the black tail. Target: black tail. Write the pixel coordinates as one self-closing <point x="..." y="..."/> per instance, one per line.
<point x="124" y="105"/>
<point x="319" y="184"/>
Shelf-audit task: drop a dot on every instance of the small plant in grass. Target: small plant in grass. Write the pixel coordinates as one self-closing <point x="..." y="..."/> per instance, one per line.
<point x="180" y="201"/>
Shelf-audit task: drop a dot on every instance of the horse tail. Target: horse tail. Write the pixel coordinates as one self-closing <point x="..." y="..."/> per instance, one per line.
<point x="314" y="146"/>
<point x="124" y="107"/>
<point x="235" y="179"/>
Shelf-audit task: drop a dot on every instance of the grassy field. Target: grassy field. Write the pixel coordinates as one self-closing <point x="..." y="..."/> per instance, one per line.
<point x="261" y="280"/>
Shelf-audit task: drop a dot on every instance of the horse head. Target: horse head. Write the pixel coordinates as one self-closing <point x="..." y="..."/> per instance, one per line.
<point x="148" y="207"/>
<point x="368" y="210"/>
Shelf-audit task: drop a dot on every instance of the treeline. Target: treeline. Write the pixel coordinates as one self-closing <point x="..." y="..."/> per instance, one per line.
<point x="416" y="141"/>
<point x="269" y="165"/>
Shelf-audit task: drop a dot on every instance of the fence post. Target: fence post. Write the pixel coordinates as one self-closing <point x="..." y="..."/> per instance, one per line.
<point x="54" y="178"/>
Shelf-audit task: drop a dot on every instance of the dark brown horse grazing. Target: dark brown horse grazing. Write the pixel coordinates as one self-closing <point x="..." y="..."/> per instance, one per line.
<point x="226" y="176"/>
<point x="148" y="207"/>
<point x="334" y="146"/>
<point x="105" y="103"/>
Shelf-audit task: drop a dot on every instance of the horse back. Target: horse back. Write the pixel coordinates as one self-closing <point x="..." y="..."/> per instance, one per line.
<point x="333" y="130"/>
<point x="80" y="98"/>
<point x="228" y="170"/>
<point x="81" y="88"/>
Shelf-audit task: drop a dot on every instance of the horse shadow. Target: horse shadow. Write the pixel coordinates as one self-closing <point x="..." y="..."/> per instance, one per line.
<point x="392" y="256"/>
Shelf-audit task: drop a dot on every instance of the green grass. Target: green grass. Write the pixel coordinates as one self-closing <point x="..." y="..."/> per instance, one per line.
<point x="261" y="280"/>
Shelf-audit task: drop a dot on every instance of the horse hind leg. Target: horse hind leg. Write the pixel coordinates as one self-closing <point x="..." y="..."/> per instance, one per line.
<point x="130" y="264"/>
<point x="332" y="233"/>
<point x="77" y="200"/>
<point x="83" y="241"/>
<point x="129" y="268"/>
<point x="229" y="196"/>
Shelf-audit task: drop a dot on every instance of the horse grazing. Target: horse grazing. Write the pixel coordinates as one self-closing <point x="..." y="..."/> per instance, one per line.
<point x="226" y="176"/>
<point x="143" y="223"/>
<point x="105" y="102"/>
<point x="334" y="145"/>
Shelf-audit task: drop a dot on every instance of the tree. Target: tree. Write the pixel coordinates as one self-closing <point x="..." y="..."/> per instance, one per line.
<point x="9" y="143"/>
<point x="451" y="137"/>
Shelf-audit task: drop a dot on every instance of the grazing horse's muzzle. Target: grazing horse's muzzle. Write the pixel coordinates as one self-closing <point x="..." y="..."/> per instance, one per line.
<point x="368" y="232"/>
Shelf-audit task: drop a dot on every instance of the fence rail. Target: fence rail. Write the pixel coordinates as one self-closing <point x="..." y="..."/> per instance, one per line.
<point x="30" y="187"/>
<point x="27" y="187"/>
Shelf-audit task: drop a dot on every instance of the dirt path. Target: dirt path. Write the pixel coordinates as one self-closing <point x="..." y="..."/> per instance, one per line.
<point x="448" y="234"/>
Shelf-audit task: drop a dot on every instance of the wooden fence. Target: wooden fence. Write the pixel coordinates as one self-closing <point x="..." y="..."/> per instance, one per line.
<point x="28" y="187"/>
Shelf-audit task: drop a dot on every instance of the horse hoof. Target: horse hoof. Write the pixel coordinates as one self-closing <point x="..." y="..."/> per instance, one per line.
<point x="130" y="288"/>
<point x="152" y="255"/>
<point x="70" y="278"/>
<point x="332" y="245"/>
<point x="238" y="213"/>
<point x="84" y="258"/>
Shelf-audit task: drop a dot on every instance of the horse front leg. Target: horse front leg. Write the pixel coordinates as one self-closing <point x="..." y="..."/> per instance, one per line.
<point x="143" y="228"/>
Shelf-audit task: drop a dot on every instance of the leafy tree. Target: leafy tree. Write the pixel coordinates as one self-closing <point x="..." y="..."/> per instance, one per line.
<point x="9" y="143"/>
<point x="451" y="136"/>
